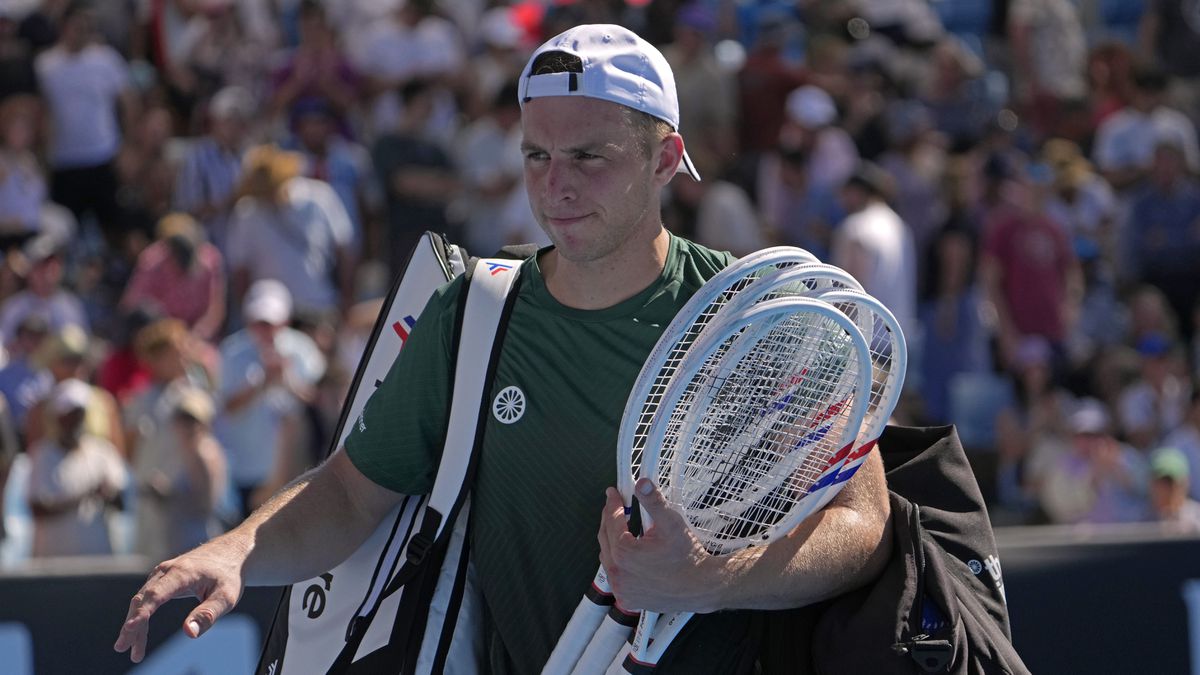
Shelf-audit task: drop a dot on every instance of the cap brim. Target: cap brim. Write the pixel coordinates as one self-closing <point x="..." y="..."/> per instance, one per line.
<point x="686" y="166"/>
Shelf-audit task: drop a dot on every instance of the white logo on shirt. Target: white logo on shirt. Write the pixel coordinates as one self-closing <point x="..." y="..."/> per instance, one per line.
<point x="509" y="405"/>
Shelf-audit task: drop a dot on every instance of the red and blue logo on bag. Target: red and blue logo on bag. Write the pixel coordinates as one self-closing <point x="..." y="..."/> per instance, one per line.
<point x="403" y="328"/>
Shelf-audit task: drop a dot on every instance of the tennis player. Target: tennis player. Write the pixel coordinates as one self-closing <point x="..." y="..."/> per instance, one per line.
<point x="599" y="114"/>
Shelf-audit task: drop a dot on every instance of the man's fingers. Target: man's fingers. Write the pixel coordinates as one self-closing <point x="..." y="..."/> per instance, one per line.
<point x="158" y="589"/>
<point x="206" y="614"/>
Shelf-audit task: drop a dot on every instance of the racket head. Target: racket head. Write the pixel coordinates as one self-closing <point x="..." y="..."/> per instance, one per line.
<point x="643" y="404"/>
<point x="759" y="417"/>
<point x="889" y="359"/>
<point x="803" y="280"/>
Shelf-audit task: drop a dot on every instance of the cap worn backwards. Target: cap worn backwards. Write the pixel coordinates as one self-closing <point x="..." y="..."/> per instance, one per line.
<point x="614" y="65"/>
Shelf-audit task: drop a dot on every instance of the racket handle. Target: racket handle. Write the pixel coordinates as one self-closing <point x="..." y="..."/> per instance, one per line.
<point x="668" y="631"/>
<point x="610" y="638"/>
<point x="617" y="665"/>
<point x="575" y="637"/>
<point x="641" y="637"/>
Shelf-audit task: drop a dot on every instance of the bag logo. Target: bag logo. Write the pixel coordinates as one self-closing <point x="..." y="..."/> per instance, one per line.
<point x="404" y="328"/>
<point x="496" y="268"/>
<point x="509" y="405"/>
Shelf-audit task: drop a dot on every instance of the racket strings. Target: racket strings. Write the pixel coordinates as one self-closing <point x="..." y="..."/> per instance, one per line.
<point x="771" y="420"/>
<point x="882" y="345"/>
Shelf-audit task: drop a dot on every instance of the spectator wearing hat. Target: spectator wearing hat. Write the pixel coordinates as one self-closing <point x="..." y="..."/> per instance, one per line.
<point x="875" y="246"/>
<point x="268" y="371"/>
<point x="164" y="347"/>
<point x="1099" y="479"/>
<point x="74" y="477"/>
<point x="181" y="276"/>
<point x="207" y="180"/>
<point x="85" y="85"/>
<point x="1081" y="200"/>
<point x="193" y="495"/>
<point x="1162" y="235"/>
<point x="293" y="229"/>
<point x="1170" y="503"/>
<point x="1186" y="439"/>
<point x="44" y="295"/>
<point x="64" y="355"/>
<point x="501" y="55"/>
<point x="810" y="125"/>
<point x="1155" y="404"/>
<point x="765" y="82"/>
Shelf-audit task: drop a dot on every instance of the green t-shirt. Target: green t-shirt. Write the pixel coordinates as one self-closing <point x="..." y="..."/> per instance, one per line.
<point x="538" y="494"/>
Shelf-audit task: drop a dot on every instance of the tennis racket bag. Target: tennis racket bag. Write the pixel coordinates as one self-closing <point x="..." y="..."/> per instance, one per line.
<point x="938" y="606"/>
<point x="404" y="602"/>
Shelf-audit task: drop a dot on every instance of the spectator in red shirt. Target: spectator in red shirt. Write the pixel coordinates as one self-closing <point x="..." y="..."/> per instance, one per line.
<point x="180" y="276"/>
<point x="1029" y="268"/>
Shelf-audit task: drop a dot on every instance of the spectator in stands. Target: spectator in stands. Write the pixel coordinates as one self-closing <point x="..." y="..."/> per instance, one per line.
<point x="1049" y="51"/>
<point x="146" y="176"/>
<point x="1168" y="35"/>
<point x="159" y="462"/>
<point x="192" y="496"/>
<point x="1186" y="439"/>
<point x="1029" y="268"/>
<point x="75" y="477"/>
<point x="916" y="160"/>
<point x="811" y="126"/>
<point x="956" y="94"/>
<point x="1081" y="200"/>
<point x="1100" y="479"/>
<point x="45" y="295"/>
<point x="18" y="80"/>
<point x="764" y="84"/>
<point x="121" y="373"/>
<point x="316" y="68"/>
<point x="10" y="445"/>
<point x="22" y="182"/>
<point x="706" y="90"/>
<point x="798" y="210"/>
<point x="954" y="330"/>
<point x="85" y="85"/>
<point x="416" y="173"/>
<point x="345" y="165"/>
<point x="182" y="276"/>
<point x="22" y="382"/>
<point x="293" y="229"/>
<point x="64" y="354"/>
<point x="1162" y="232"/>
<point x="413" y="43"/>
<point x="716" y="213"/>
<point x="268" y="373"/>
<point x="1126" y="143"/>
<point x="1156" y="403"/>
<point x="206" y="184"/>
<point x="1170" y="503"/>
<point x="490" y="163"/>
<point x="875" y="246"/>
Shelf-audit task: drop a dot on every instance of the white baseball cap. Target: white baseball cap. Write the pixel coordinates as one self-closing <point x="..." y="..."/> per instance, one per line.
<point x="811" y="107"/>
<point x="614" y="65"/>
<point x="70" y="395"/>
<point x="268" y="300"/>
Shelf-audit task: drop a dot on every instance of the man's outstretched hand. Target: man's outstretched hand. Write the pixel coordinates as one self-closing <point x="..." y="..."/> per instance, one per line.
<point x="211" y="573"/>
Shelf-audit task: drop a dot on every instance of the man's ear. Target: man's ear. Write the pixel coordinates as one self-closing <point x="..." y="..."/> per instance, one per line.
<point x="670" y="153"/>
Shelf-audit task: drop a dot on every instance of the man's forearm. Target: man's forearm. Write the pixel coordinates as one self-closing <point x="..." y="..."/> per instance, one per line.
<point x="838" y="549"/>
<point x="308" y="527"/>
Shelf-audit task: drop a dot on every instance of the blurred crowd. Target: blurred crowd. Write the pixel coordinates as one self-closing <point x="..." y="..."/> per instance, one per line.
<point x="203" y="201"/>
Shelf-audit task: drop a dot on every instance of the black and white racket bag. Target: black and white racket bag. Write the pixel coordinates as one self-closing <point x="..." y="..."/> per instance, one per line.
<point x="405" y="601"/>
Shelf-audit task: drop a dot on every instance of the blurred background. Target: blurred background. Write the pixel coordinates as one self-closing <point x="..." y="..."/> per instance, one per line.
<point x="202" y="203"/>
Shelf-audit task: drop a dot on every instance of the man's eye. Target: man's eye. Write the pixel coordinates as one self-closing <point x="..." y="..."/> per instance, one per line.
<point x="535" y="155"/>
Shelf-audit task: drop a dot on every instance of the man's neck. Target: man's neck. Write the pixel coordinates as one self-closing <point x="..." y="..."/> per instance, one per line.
<point x="600" y="284"/>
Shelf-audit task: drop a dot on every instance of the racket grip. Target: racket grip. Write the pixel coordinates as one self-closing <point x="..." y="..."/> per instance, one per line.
<point x="610" y="638"/>
<point x="575" y="638"/>
<point x="617" y="666"/>
<point x="641" y="637"/>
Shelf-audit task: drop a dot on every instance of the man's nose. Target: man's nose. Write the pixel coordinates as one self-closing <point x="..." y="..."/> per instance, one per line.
<point x="560" y="181"/>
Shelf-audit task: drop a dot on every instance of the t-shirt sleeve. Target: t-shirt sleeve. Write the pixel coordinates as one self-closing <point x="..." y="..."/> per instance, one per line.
<point x="397" y="440"/>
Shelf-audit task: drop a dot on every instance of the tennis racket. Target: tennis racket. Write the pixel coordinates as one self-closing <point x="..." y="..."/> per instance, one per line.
<point x="598" y="627"/>
<point x="763" y="410"/>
